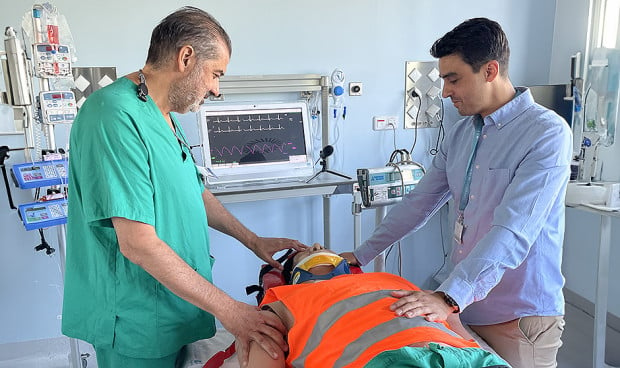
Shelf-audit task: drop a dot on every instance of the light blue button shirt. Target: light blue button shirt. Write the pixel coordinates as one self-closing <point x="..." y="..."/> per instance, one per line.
<point x="509" y="265"/>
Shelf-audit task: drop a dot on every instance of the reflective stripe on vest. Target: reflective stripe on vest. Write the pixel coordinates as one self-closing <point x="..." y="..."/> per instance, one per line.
<point x="352" y="351"/>
<point x="382" y="331"/>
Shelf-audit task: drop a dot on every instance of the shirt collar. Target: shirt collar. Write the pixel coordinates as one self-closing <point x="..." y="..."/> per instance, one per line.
<point x="514" y="108"/>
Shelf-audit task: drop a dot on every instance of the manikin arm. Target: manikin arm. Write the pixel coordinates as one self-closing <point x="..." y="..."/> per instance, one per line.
<point x="258" y="357"/>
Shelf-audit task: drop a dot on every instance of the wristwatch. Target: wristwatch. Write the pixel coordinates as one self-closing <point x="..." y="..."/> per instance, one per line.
<point x="451" y="302"/>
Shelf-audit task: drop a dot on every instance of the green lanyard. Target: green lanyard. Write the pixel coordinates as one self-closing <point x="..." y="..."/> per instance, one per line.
<point x="478" y="123"/>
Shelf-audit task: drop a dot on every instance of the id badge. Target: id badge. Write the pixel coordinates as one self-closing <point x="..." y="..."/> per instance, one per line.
<point x="459" y="228"/>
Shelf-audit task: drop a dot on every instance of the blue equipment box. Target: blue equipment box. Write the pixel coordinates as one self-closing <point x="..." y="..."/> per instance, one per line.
<point x="40" y="174"/>
<point x="38" y="215"/>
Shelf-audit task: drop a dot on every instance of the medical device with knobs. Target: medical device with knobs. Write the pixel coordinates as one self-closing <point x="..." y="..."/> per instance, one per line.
<point x="39" y="215"/>
<point x="387" y="185"/>
<point x="52" y="60"/>
<point x="57" y="107"/>
<point x="40" y="174"/>
<point x="379" y="187"/>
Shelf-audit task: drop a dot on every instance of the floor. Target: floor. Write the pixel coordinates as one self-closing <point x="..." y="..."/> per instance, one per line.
<point x="575" y="353"/>
<point x="578" y="341"/>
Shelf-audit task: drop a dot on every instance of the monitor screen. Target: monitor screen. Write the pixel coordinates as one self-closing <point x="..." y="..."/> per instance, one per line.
<point x="256" y="142"/>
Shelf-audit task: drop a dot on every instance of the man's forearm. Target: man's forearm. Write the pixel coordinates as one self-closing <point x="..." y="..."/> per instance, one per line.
<point x="140" y="244"/>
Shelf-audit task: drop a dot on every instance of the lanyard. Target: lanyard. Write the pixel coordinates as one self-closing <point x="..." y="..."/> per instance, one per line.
<point x="181" y="140"/>
<point x="478" y="123"/>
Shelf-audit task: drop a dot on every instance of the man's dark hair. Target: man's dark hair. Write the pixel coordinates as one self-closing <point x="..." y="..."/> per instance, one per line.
<point x="477" y="41"/>
<point x="187" y="26"/>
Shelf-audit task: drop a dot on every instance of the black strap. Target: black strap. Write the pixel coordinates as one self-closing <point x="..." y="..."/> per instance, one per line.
<point x="264" y="270"/>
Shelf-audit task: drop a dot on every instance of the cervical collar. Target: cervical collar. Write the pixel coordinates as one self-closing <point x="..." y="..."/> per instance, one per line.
<point x="301" y="270"/>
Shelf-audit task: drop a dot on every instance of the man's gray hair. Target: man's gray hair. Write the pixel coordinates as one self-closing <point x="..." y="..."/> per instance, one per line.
<point x="187" y="26"/>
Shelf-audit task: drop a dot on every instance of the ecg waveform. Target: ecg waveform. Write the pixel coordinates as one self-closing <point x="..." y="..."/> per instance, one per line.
<point x="251" y="149"/>
<point x="241" y="138"/>
<point x="238" y="129"/>
<point x="248" y="118"/>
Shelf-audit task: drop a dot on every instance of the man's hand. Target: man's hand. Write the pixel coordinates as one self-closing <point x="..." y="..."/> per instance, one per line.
<point x="247" y="324"/>
<point x="265" y="248"/>
<point x="350" y="258"/>
<point x="429" y="304"/>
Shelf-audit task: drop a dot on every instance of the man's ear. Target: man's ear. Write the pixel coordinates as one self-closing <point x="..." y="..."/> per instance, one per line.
<point x="491" y="70"/>
<point x="185" y="56"/>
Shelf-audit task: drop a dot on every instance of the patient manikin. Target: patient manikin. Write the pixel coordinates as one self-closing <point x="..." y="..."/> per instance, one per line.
<point x="338" y="319"/>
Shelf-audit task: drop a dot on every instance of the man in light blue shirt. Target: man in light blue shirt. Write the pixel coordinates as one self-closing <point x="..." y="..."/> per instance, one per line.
<point x="506" y="165"/>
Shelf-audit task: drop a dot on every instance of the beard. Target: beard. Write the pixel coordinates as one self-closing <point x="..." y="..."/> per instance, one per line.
<point x="184" y="95"/>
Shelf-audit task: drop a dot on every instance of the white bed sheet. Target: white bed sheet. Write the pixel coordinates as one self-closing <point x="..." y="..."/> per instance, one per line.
<point x="201" y="351"/>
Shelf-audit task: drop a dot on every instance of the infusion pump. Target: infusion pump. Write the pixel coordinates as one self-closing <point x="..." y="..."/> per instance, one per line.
<point x="386" y="185"/>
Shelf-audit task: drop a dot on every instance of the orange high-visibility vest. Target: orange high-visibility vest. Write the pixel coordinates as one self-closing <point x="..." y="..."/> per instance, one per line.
<point x="346" y="321"/>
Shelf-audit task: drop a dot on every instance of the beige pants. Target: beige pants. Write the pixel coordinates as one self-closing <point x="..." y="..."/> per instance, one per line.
<point x="528" y="342"/>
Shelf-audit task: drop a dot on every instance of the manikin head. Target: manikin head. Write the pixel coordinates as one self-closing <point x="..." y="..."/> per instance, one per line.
<point x="314" y="264"/>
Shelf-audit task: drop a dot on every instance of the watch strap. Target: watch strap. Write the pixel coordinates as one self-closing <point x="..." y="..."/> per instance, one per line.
<point x="451" y="302"/>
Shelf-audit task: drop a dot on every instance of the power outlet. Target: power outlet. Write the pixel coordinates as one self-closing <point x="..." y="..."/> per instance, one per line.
<point x="384" y="122"/>
<point x="355" y="88"/>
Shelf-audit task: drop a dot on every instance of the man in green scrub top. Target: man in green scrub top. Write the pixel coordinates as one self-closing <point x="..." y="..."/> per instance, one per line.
<point x="138" y="267"/>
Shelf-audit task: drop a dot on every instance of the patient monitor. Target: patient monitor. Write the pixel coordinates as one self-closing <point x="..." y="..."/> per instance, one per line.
<point x="256" y="142"/>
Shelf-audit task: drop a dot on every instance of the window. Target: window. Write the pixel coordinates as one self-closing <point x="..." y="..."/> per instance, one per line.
<point x="608" y="17"/>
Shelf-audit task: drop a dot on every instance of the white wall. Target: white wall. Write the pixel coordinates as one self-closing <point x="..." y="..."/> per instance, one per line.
<point x="370" y="40"/>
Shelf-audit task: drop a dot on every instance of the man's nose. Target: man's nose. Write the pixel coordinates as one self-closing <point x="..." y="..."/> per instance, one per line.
<point x="445" y="91"/>
<point x="215" y="90"/>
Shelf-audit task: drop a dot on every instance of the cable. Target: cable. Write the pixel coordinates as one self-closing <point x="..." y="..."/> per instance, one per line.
<point x="394" y="132"/>
<point x="440" y="134"/>
<point x="405" y="159"/>
<point x="389" y="250"/>
<point x="398" y="257"/>
<point x="417" y="115"/>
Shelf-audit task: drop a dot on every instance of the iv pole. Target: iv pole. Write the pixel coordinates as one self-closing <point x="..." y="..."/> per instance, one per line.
<point x="18" y="76"/>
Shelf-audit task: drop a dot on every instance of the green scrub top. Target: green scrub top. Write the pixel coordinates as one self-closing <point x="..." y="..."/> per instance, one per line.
<point x="125" y="161"/>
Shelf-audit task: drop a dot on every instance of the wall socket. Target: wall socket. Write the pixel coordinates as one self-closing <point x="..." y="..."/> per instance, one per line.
<point x="355" y="88"/>
<point x="384" y="122"/>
